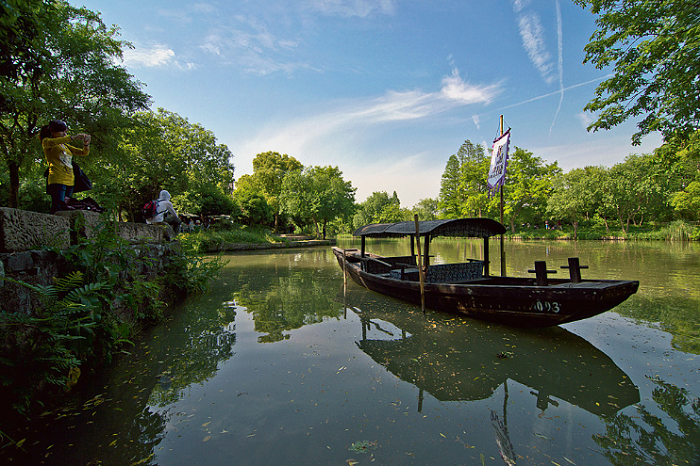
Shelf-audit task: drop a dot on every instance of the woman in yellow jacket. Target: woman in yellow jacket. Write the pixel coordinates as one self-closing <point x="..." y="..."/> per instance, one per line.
<point x="59" y="156"/>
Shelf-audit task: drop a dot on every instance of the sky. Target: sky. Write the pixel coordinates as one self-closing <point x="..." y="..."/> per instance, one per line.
<point x="386" y="90"/>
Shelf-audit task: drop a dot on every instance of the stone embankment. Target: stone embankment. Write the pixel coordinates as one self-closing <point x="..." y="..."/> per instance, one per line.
<point x="25" y="239"/>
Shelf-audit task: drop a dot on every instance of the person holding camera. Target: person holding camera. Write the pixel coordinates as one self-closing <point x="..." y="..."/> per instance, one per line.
<point x="59" y="155"/>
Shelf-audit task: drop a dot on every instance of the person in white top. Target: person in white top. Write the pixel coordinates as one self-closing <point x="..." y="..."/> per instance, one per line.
<point x="165" y="212"/>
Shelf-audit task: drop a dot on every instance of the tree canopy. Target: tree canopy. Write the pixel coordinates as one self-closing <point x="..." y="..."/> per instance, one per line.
<point x="59" y="62"/>
<point x="654" y="49"/>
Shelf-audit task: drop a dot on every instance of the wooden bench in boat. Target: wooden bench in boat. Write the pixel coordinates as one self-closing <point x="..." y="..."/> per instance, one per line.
<point x="455" y="273"/>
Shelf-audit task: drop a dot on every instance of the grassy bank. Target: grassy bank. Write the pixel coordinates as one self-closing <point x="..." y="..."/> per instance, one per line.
<point x="202" y="240"/>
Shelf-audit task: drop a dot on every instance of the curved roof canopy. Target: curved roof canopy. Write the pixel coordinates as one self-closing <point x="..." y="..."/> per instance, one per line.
<point x="461" y="227"/>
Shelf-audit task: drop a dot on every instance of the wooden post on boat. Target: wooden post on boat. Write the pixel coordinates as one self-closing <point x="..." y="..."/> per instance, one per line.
<point x="420" y="266"/>
<point x="503" y="249"/>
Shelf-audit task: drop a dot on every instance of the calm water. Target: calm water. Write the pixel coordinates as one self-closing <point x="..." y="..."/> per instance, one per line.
<point x="276" y="365"/>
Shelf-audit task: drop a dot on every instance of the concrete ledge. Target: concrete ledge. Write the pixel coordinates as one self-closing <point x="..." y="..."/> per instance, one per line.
<point x="21" y="230"/>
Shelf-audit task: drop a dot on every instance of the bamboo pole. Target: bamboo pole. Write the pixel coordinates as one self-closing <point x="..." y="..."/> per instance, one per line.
<point x="420" y="266"/>
<point x="503" y="249"/>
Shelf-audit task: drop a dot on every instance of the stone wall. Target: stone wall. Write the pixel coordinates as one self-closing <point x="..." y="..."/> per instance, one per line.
<point x="26" y="236"/>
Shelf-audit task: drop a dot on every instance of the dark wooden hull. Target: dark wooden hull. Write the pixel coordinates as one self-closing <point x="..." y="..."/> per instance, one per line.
<point x="511" y="301"/>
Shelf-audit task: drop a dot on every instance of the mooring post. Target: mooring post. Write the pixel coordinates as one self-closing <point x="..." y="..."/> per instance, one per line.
<point x="574" y="269"/>
<point x="541" y="273"/>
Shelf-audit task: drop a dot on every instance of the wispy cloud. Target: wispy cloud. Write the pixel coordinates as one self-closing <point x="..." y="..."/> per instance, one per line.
<point x="350" y="123"/>
<point x="532" y="34"/>
<point x="349" y="8"/>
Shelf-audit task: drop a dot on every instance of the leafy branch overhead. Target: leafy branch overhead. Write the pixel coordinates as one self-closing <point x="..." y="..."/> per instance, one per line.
<point x="654" y="49"/>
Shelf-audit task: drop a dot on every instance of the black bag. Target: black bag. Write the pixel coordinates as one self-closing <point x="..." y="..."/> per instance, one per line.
<point x="86" y="204"/>
<point x="81" y="182"/>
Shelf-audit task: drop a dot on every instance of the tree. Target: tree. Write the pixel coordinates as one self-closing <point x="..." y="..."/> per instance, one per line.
<point x="58" y="61"/>
<point x="426" y="209"/>
<point x="165" y="151"/>
<point x="680" y="160"/>
<point x="317" y="195"/>
<point x="450" y="201"/>
<point x="379" y="208"/>
<point x="269" y="169"/>
<point x="474" y="169"/>
<point x="254" y="208"/>
<point x="575" y="196"/>
<point x="633" y="189"/>
<point x="654" y="48"/>
<point x="463" y="190"/>
<point x="528" y="185"/>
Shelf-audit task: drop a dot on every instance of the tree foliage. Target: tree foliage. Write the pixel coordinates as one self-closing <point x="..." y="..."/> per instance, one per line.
<point x="59" y="62"/>
<point x="269" y="169"/>
<point x="316" y="195"/>
<point x="163" y="150"/>
<point x="654" y="49"/>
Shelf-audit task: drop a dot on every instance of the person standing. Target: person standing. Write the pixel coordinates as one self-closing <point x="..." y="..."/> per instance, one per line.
<point x="59" y="155"/>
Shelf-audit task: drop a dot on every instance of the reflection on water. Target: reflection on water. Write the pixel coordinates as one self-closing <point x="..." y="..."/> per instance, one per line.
<point x="454" y="360"/>
<point x="275" y="366"/>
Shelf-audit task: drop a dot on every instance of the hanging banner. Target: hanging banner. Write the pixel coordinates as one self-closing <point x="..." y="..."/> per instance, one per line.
<point x="499" y="162"/>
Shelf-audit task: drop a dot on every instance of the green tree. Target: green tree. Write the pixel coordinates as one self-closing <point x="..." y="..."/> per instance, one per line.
<point x="269" y="169"/>
<point x="575" y="196"/>
<point x="317" y="195"/>
<point x="463" y="189"/>
<point x="528" y="185"/>
<point x="59" y="62"/>
<point x="450" y="200"/>
<point x="379" y="208"/>
<point x="426" y="209"/>
<point x="654" y="49"/>
<point x="249" y="197"/>
<point x="633" y="190"/>
<point x="680" y="160"/>
<point x="474" y="168"/>
<point x="165" y="151"/>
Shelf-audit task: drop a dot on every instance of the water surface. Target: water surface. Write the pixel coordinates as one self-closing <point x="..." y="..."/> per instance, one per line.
<point x="276" y="364"/>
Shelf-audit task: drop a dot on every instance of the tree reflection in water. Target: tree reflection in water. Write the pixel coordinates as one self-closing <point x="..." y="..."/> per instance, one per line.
<point x="650" y="439"/>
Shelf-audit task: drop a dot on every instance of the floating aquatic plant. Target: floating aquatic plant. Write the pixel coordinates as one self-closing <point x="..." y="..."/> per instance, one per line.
<point x="363" y="446"/>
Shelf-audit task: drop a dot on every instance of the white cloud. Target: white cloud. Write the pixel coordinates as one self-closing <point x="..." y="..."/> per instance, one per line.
<point x="349" y="8"/>
<point x="532" y="34"/>
<point x="159" y="55"/>
<point x="454" y="88"/>
<point x="585" y="119"/>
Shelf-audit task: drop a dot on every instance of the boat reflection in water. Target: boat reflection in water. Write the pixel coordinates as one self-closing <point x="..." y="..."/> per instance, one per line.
<point x="455" y="359"/>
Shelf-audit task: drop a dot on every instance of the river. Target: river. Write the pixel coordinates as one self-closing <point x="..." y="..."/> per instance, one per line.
<point x="277" y="365"/>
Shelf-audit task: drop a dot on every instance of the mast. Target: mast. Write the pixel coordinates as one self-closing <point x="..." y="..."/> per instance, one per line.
<point x="503" y="250"/>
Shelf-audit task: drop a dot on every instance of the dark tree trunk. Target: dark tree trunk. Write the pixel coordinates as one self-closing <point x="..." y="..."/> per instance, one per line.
<point x="14" y="183"/>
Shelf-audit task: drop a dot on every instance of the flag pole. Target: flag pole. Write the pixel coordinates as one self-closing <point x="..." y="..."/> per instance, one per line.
<point x="503" y="251"/>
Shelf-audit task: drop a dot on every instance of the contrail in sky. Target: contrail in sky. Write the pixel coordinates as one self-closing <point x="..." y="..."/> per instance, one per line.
<point x="560" y="64"/>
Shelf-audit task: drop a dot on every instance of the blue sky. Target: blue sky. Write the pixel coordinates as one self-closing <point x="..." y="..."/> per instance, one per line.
<point x="386" y="90"/>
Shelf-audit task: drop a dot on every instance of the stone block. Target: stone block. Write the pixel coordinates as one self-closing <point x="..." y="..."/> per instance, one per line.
<point x="21" y="230"/>
<point x="84" y="224"/>
<point x="143" y="232"/>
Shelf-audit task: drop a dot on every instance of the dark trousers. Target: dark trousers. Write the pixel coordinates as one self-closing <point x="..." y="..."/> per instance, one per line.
<point x="59" y="193"/>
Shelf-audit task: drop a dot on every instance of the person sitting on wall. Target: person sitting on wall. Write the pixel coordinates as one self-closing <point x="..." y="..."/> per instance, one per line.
<point x="165" y="212"/>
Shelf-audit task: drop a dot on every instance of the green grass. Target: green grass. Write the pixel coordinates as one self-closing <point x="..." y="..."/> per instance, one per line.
<point x="203" y="240"/>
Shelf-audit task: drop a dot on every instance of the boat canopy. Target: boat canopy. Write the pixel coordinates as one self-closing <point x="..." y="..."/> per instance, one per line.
<point x="460" y="227"/>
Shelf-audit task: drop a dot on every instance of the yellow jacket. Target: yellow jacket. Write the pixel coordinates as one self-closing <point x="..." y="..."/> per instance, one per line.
<point x="59" y="155"/>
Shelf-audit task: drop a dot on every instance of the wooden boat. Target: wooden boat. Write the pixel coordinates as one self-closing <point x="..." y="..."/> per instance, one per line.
<point x="468" y="288"/>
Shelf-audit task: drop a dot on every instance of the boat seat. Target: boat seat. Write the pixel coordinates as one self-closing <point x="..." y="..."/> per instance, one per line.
<point x="453" y="273"/>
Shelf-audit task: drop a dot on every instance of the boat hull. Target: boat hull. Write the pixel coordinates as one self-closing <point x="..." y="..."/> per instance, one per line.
<point x="511" y="301"/>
